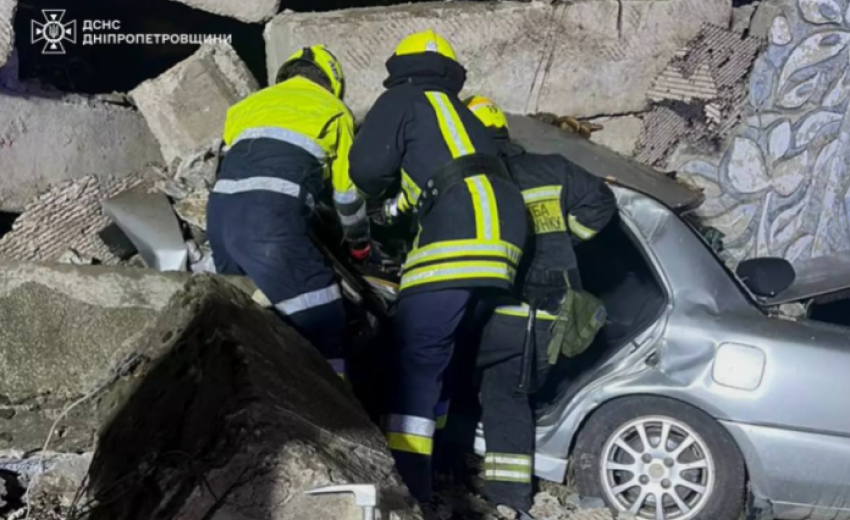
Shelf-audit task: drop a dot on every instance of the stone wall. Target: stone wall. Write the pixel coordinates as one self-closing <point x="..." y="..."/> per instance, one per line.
<point x="779" y="185"/>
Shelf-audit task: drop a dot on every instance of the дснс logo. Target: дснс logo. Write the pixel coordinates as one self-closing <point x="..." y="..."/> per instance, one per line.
<point x="53" y="32"/>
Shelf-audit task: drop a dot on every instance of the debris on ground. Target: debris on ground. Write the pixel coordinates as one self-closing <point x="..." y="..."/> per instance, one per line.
<point x="43" y="486"/>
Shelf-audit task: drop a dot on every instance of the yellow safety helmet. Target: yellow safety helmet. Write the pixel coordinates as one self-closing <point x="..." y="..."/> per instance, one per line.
<point x="321" y="57"/>
<point x="426" y="41"/>
<point x="487" y="112"/>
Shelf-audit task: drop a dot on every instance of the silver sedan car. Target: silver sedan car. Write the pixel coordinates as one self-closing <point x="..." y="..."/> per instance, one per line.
<point x="705" y="394"/>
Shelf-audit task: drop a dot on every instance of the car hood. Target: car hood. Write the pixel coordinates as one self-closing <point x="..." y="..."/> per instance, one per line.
<point x="538" y="137"/>
<point x="821" y="278"/>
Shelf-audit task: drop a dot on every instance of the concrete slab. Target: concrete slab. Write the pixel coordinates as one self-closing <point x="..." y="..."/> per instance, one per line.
<point x="579" y="58"/>
<point x="63" y="324"/>
<point x="47" y="140"/>
<point x="7" y="30"/>
<point x="251" y="11"/>
<point x="186" y="106"/>
<point x="260" y="414"/>
<point x="620" y="133"/>
<point x="67" y="330"/>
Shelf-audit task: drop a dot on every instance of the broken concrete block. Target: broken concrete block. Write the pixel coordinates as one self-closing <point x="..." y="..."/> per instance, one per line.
<point x="231" y="414"/>
<point x="44" y="141"/>
<point x="619" y="133"/>
<point x="7" y="29"/>
<point x="250" y="11"/>
<point x="68" y="216"/>
<point x="579" y="58"/>
<point x="64" y="330"/>
<point x="68" y="332"/>
<point x="186" y="106"/>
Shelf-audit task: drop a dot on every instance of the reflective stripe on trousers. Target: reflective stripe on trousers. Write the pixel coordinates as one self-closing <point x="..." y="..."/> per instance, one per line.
<point x="508" y="467"/>
<point x="410" y="434"/>
<point x="309" y="300"/>
<point x="287" y="136"/>
<point x="273" y="184"/>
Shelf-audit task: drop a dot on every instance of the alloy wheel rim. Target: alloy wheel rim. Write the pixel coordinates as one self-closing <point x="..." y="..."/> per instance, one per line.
<point x="658" y="468"/>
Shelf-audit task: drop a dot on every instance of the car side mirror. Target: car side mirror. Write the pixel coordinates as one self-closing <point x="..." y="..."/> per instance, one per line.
<point x="767" y="277"/>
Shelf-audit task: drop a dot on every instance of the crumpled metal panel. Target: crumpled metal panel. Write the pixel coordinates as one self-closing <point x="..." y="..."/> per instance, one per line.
<point x="150" y="223"/>
<point x="539" y="137"/>
<point x="803" y="387"/>
<point x="816" y="277"/>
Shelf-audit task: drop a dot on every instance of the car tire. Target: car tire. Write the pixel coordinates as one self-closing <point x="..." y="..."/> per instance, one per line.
<point x="612" y="463"/>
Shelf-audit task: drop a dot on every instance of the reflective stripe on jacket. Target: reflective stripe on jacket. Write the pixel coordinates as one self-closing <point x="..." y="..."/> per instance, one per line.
<point x="473" y="234"/>
<point x="306" y="115"/>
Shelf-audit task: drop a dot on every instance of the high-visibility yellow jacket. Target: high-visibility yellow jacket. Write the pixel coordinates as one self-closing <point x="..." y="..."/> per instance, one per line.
<point x="307" y="115"/>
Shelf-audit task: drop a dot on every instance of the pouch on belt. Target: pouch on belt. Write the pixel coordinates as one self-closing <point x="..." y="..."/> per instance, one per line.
<point x="580" y="318"/>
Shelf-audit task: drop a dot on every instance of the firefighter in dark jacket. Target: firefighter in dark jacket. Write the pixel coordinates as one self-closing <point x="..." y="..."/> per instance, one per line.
<point x="566" y="205"/>
<point x="419" y="135"/>
<point x="288" y="144"/>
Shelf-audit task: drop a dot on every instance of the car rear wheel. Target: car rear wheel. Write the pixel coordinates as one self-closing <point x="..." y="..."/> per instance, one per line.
<point x="660" y="459"/>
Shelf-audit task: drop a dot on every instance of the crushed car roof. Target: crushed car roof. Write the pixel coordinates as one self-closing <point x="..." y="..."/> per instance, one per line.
<point x="540" y="137"/>
<point x="816" y="277"/>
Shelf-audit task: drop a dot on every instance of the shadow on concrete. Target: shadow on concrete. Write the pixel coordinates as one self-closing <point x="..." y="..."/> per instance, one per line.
<point x="230" y="414"/>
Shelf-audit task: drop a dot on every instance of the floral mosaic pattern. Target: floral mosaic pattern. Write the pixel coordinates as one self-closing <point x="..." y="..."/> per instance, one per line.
<point x="781" y="186"/>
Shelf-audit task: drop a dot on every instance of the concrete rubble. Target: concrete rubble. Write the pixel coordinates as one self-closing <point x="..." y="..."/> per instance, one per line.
<point x="579" y="58"/>
<point x="186" y="106"/>
<point x="250" y="11"/>
<point x="250" y="404"/>
<point x="700" y="96"/>
<point x="69" y="216"/>
<point x="248" y="417"/>
<point x="65" y="330"/>
<point x="46" y="138"/>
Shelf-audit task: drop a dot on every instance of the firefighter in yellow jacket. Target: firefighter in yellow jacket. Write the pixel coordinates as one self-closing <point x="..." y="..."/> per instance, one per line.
<point x="419" y="135"/>
<point x="288" y="146"/>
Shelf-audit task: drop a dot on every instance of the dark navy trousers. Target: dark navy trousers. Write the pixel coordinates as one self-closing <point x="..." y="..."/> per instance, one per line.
<point x="264" y="235"/>
<point x="426" y="327"/>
